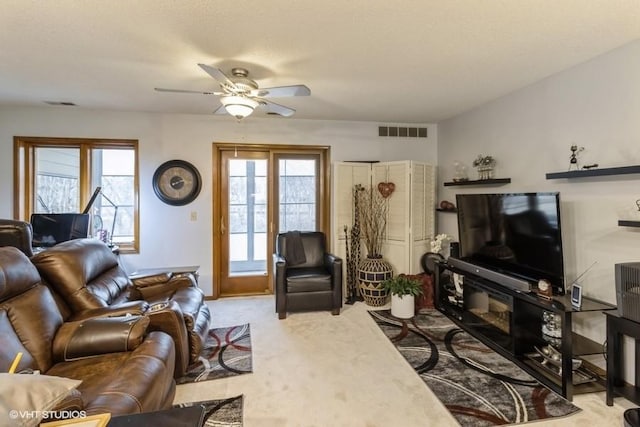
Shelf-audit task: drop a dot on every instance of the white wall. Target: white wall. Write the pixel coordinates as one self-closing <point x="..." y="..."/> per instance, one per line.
<point x="595" y="105"/>
<point x="167" y="235"/>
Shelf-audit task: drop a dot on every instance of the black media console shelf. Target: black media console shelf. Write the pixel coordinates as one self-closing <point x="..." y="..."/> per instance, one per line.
<point x="496" y="181"/>
<point x="513" y="323"/>
<point x="584" y="173"/>
<point x="627" y="223"/>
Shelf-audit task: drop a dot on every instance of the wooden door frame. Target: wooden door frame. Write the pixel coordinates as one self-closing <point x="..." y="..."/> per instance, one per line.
<point x="273" y="150"/>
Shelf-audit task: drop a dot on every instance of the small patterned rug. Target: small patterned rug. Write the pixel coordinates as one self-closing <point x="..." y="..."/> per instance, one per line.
<point x="226" y="352"/>
<point x="220" y="412"/>
<point x="477" y="385"/>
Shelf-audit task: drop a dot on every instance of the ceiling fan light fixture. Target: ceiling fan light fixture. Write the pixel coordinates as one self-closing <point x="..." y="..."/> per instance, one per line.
<point x="239" y="106"/>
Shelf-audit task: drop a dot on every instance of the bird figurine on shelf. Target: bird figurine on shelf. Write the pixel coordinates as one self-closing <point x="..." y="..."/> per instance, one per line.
<point x="573" y="159"/>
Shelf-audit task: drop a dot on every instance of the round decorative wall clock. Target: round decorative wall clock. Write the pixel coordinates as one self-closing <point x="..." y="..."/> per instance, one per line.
<point x="177" y="182"/>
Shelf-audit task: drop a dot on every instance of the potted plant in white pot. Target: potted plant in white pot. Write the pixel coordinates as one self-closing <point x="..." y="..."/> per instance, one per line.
<point x="403" y="291"/>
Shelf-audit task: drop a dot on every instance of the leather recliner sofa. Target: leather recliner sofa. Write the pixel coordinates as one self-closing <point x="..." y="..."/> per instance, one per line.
<point x="17" y="234"/>
<point x="89" y="281"/>
<point x="127" y="370"/>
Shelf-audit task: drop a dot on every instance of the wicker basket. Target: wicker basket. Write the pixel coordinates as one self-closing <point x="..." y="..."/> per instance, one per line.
<point x="371" y="273"/>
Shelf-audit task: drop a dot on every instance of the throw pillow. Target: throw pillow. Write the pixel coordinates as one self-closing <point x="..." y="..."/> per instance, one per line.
<point x="24" y="398"/>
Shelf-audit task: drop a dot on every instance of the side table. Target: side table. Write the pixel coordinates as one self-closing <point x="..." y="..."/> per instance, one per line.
<point x="617" y="327"/>
<point x="176" y="271"/>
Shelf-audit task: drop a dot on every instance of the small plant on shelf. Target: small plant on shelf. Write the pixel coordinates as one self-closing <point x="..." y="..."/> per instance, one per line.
<point x="485" y="165"/>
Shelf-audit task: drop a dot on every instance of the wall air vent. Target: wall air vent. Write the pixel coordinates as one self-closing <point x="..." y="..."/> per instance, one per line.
<point x="402" y="132"/>
<point x="63" y="103"/>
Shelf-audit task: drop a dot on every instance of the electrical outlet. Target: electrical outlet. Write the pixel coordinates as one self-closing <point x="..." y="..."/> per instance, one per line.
<point x="194" y="216"/>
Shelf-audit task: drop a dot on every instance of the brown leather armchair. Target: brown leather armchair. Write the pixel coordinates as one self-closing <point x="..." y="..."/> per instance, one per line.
<point x="123" y="367"/>
<point x="306" y="276"/>
<point x="89" y="280"/>
<point x="17" y="234"/>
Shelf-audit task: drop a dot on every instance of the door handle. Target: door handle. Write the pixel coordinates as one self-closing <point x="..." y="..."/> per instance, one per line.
<point x="222" y="227"/>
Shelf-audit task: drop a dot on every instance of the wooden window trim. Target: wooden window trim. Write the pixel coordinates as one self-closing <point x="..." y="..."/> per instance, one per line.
<point x="24" y="174"/>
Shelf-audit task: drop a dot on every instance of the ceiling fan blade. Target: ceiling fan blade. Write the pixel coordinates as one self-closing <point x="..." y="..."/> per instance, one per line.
<point x="159" y="89"/>
<point x="282" y="91"/>
<point x="218" y="75"/>
<point x="272" y="107"/>
<point x="221" y="110"/>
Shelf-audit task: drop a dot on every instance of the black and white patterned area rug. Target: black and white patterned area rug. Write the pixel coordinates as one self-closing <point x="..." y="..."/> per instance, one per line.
<point x="226" y="352"/>
<point x="220" y="412"/>
<point x="477" y="385"/>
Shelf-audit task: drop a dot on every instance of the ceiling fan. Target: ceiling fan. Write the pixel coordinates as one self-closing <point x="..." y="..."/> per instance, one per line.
<point x="240" y="95"/>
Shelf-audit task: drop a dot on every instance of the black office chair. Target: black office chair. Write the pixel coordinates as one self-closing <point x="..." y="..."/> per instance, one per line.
<point x="306" y="276"/>
<point x="17" y="234"/>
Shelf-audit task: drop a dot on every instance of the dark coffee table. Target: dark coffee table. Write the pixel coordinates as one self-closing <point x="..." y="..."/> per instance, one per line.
<point x="191" y="416"/>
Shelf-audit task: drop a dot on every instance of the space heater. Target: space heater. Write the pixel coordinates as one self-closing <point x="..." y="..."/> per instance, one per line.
<point x="628" y="290"/>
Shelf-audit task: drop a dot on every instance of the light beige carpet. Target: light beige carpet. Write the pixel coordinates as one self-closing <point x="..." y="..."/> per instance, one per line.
<point x="315" y="369"/>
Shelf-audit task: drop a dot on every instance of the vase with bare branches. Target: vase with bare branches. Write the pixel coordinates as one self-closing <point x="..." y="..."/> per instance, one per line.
<point x="373" y="270"/>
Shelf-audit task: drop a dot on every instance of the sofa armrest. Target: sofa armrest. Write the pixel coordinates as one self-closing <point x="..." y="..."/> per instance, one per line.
<point x="167" y="317"/>
<point x="92" y="337"/>
<point x="334" y="264"/>
<point x="279" y="284"/>
<point x="331" y="261"/>
<point x="135" y="308"/>
<point x="279" y="266"/>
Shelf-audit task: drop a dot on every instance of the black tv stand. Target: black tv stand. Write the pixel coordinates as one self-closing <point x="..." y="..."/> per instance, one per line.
<point x="489" y="274"/>
<point x="511" y="322"/>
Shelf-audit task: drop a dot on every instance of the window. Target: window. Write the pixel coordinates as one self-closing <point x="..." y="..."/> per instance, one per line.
<point x="114" y="171"/>
<point x="57" y="180"/>
<point x="298" y="193"/>
<point x="59" y="175"/>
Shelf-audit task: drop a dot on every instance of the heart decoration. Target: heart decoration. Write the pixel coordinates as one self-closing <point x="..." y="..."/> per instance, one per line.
<point x="386" y="188"/>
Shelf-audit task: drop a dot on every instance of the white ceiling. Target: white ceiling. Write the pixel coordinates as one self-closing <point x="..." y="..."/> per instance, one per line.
<point x="405" y="61"/>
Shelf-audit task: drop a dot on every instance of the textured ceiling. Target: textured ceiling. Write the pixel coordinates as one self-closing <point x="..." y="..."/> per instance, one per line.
<point x="413" y="61"/>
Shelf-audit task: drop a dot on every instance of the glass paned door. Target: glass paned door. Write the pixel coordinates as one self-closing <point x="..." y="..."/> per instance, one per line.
<point x="244" y="222"/>
<point x="247" y="216"/>
<point x="298" y="192"/>
<point x="261" y="191"/>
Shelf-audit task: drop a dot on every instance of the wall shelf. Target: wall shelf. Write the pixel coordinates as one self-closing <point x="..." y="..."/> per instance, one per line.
<point x="447" y="210"/>
<point x="628" y="223"/>
<point x="496" y="181"/>
<point x="623" y="170"/>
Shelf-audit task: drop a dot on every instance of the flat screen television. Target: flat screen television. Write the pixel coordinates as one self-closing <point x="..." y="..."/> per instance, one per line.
<point x="516" y="234"/>
<point x="51" y="229"/>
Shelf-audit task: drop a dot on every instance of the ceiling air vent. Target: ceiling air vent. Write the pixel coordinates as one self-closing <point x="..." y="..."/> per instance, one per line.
<point x="63" y="103"/>
<point x="402" y="132"/>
